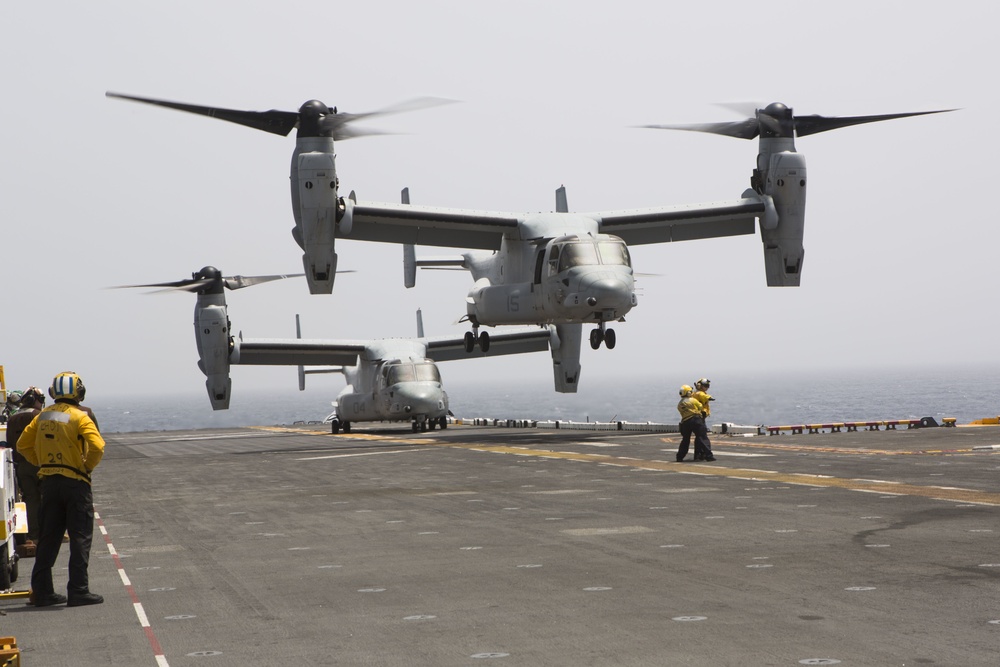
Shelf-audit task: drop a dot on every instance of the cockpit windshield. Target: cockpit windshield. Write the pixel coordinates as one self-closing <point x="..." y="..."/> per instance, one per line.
<point x="589" y="253"/>
<point x="614" y="253"/>
<point x="421" y="371"/>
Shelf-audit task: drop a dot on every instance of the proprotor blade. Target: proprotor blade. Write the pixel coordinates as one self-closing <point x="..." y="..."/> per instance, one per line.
<point x="806" y="125"/>
<point x="273" y="121"/>
<point x="337" y="122"/>
<point x="185" y="284"/>
<point x="238" y="282"/>
<point x="741" y="129"/>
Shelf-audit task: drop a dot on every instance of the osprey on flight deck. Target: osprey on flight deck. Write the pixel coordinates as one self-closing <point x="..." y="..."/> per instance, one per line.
<point x="390" y="379"/>
<point x="559" y="270"/>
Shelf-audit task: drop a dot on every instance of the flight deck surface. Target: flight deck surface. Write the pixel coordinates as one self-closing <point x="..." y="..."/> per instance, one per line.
<point x="293" y="546"/>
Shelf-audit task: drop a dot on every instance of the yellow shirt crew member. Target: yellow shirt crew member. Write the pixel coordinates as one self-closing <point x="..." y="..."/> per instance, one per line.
<point x="689" y="407"/>
<point x="701" y="394"/>
<point x="62" y="440"/>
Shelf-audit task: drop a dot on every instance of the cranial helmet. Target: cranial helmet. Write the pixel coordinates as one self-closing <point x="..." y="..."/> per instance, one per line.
<point x="31" y="396"/>
<point x="703" y="383"/>
<point x="686" y="390"/>
<point x="67" y="385"/>
<point x="13" y="397"/>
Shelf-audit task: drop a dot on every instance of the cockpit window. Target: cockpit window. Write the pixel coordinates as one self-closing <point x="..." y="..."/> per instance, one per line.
<point x="578" y="254"/>
<point x="418" y="372"/>
<point x="589" y="253"/>
<point x="400" y="373"/>
<point x="614" y="253"/>
<point x="427" y="372"/>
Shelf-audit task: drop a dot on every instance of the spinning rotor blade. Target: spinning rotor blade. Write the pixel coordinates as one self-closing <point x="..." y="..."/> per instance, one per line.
<point x="805" y="125"/>
<point x="338" y="121"/>
<point x="742" y="129"/>
<point x="777" y="120"/>
<point x="312" y="119"/>
<point x="239" y="282"/>
<point x="211" y="280"/>
<point x="188" y="285"/>
<point x="274" y="121"/>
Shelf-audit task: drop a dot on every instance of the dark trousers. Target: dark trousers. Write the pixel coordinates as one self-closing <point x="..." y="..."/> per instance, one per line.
<point x="67" y="506"/>
<point x="687" y="428"/>
<point x="702" y="447"/>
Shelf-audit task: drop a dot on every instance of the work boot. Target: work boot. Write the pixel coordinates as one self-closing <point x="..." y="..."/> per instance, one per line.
<point x="45" y="599"/>
<point x="83" y="599"/>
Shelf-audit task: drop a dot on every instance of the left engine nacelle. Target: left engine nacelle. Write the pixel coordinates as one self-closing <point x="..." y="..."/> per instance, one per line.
<point x="211" y="328"/>
<point x="783" y="227"/>
<point x="319" y="211"/>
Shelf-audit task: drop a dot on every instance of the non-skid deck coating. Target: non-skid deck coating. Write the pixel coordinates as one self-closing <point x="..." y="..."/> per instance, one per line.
<point x="291" y="546"/>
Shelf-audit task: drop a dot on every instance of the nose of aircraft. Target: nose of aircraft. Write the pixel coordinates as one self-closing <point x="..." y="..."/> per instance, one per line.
<point x="419" y="399"/>
<point x="609" y="292"/>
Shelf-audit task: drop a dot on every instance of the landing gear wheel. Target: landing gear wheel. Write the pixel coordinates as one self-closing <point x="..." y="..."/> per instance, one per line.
<point x="416" y="426"/>
<point x="443" y="423"/>
<point x="596" y="336"/>
<point x="610" y="339"/>
<point x="484" y="342"/>
<point x="431" y="424"/>
<point x="335" y="426"/>
<point x="470" y="342"/>
<point x="347" y="427"/>
<point x="423" y="426"/>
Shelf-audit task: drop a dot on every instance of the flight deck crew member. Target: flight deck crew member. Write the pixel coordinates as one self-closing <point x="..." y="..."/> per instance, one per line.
<point x="690" y="409"/>
<point x="701" y="395"/>
<point x="26" y="474"/>
<point x="64" y="443"/>
<point x="692" y="423"/>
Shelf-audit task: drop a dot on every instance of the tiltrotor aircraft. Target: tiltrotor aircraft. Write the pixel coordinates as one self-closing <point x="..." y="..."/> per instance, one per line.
<point x="392" y="379"/>
<point x="563" y="269"/>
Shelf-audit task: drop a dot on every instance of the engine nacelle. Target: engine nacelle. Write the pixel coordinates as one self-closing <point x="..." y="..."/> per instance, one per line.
<point x="783" y="225"/>
<point x="564" y="344"/>
<point x="211" y="328"/>
<point x="317" y="181"/>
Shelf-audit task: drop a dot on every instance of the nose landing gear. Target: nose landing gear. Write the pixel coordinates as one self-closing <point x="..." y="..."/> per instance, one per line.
<point x="602" y="335"/>
<point x="474" y="337"/>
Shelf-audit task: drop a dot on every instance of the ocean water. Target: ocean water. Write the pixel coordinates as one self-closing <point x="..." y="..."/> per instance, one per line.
<point x="966" y="393"/>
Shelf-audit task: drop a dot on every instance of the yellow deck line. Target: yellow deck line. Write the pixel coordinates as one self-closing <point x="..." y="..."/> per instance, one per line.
<point x="756" y="444"/>
<point x="800" y="479"/>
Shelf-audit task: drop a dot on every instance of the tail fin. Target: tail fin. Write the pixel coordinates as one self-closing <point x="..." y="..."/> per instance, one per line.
<point x="562" y="206"/>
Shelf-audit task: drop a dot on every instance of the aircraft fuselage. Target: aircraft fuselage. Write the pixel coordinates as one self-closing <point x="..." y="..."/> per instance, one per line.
<point x="407" y="388"/>
<point x="556" y="273"/>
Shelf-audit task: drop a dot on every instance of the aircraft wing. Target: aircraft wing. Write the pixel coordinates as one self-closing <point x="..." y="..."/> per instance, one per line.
<point x="296" y="352"/>
<point x="681" y="223"/>
<point x="425" y="225"/>
<point x="516" y="342"/>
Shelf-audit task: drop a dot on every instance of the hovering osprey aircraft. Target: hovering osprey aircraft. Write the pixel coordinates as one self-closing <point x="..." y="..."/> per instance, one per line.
<point x="393" y="379"/>
<point x="562" y="269"/>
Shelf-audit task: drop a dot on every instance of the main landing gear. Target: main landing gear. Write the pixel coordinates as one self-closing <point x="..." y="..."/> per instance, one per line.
<point x="602" y="335"/>
<point x="429" y="424"/>
<point x="336" y="425"/>
<point x="474" y="338"/>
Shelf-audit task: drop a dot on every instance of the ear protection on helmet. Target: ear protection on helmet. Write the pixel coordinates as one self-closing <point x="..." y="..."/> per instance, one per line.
<point x="67" y="385"/>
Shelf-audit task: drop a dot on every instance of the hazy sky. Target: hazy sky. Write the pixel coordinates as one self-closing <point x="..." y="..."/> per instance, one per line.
<point x="901" y="236"/>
